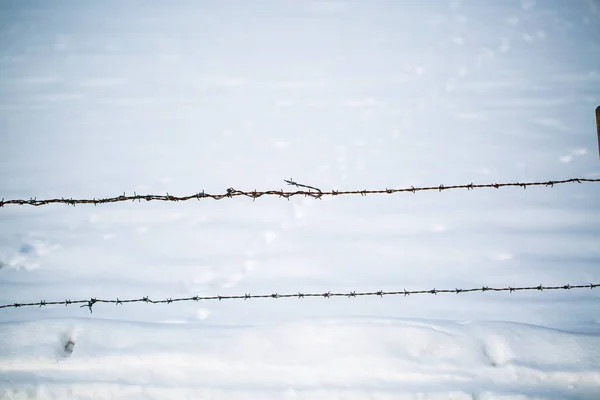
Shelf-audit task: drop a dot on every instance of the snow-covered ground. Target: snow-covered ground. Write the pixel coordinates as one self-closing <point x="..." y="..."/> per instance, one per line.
<point x="350" y="358"/>
<point x="101" y="98"/>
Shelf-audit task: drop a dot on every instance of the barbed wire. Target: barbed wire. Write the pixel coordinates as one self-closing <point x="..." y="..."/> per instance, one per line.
<point x="312" y="191"/>
<point x="247" y="296"/>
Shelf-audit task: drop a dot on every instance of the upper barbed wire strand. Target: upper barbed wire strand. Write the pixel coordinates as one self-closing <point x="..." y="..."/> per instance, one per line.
<point x="311" y="192"/>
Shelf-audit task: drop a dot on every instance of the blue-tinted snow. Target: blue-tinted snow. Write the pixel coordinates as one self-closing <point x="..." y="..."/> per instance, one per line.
<point x="97" y="99"/>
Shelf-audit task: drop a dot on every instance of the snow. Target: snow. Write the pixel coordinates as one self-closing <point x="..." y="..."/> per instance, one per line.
<point x="344" y="358"/>
<point x="97" y="99"/>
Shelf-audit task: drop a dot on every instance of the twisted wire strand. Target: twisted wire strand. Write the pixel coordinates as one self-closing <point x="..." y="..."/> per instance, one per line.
<point x="304" y="190"/>
<point x="89" y="303"/>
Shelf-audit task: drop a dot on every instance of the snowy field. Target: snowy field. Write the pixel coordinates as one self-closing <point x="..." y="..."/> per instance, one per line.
<point x="101" y="98"/>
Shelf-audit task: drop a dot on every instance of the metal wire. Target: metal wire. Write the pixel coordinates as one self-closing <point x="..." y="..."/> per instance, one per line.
<point x="311" y="192"/>
<point x="247" y="296"/>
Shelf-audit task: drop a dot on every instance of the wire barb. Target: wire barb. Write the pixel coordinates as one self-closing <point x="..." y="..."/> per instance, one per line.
<point x="90" y="303"/>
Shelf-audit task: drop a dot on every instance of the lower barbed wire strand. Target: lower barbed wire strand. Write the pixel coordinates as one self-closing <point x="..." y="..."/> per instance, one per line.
<point x="275" y="295"/>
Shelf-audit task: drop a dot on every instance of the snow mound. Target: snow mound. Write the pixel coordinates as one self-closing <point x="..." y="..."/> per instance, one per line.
<point x="341" y="358"/>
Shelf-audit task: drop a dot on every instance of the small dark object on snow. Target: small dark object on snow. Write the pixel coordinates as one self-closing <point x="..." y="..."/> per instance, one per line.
<point x="69" y="346"/>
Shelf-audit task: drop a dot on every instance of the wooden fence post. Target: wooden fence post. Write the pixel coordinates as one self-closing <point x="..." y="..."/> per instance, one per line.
<point x="598" y="127"/>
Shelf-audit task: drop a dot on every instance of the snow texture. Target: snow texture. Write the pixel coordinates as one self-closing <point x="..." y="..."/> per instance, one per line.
<point x="101" y="98"/>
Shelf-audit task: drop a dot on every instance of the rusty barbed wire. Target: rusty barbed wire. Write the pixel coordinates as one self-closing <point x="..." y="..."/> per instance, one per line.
<point x="311" y="192"/>
<point x="93" y="301"/>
